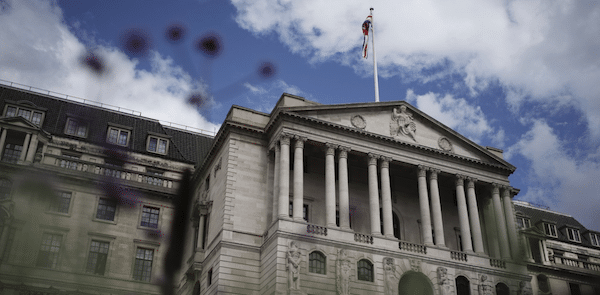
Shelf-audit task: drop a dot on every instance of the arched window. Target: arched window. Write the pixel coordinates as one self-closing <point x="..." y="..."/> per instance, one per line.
<point x="365" y="270"/>
<point x="316" y="262"/>
<point x="502" y="289"/>
<point x="462" y="286"/>
<point x="5" y="188"/>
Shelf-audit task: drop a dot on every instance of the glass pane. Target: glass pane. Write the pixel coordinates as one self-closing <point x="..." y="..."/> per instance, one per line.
<point x="11" y="112"/>
<point x="37" y="118"/>
<point x="152" y="144"/>
<point x="112" y="135"/>
<point x="162" y="146"/>
<point x="25" y="114"/>
<point x="123" y="138"/>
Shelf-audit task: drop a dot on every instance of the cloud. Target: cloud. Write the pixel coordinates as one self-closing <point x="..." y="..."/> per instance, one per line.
<point x="457" y="114"/>
<point x="38" y="49"/>
<point x="538" y="50"/>
<point x="556" y="178"/>
<point x="263" y="97"/>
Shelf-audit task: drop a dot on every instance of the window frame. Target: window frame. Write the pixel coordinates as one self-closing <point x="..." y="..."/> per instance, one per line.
<point x="575" y="233"/>
<point x="158" y="140"/>
<point x="119" y="130"/>
<point x="32" y="111"/>
<point x="58" y="251"/>
<point x="95" y="214"/>
<point x="550" y="228"/>
<point x="316" y="269"/>
<point x="158" y="220"/>
<point x="370" y="268"/>
<point x="89" y="256"/>
<point x="595" y="239"/>
<point x="525" y="221"/>
<point x="54" y="205"/>
<point x="135" y="263"/>
<point x="79" y="123"/>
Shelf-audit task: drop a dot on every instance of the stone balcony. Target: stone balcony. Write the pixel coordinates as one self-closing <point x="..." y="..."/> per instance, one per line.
<point x="575" y="264"/>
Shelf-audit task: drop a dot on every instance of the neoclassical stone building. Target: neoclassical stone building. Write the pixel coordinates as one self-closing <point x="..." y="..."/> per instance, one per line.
<point x="365" y="198"/>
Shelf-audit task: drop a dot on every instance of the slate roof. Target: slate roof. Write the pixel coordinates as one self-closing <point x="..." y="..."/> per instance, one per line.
<point x="562" y="221"/>
<point x="184" y="146"/>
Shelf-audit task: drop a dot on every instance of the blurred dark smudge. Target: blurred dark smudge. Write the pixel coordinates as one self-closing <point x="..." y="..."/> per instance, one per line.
<point x="210" y="45"/>
<point x="175" y="33"/>
<point x="136" y="42"/>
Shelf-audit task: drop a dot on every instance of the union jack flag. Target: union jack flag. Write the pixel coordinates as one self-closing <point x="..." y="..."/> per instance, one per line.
<point x="365" y="28"/>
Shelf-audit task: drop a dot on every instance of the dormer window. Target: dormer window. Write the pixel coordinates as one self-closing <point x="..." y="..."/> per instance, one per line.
<point x="31" y="115"/>
<point x="595" y="239"/>
<point x="118" y="136"/>
<point x="76" y="127"/>
<point x="550" y="229"/>
<point x="157" y="145"/>
<point x="573" y="235"/>
<point x="523" y="222"/>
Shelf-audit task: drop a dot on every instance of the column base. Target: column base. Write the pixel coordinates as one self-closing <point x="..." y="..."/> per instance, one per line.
<point x="347" y="229"/>
<point x="284" y="217"/>
<point x="296" y="219"/>
<point x="332" y="225"/>
<point x="389" y="236"/>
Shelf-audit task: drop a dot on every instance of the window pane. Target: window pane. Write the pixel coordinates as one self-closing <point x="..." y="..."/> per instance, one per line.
<point x="97" y="259"/>
<point x="25" y="114"/>
<point x="11" y="112"/>
<point x="123" y="138"/>
<point x="37" y="118"/>
<point x="48" y="256"/>
<point x="162" y="146"/>
<point x="112" y="135"/>
<point x="316" y="263"/>
<point x="106" y="209"/>
<point x="143" y="264"/>
<point x="365" y="270"/>
<point x="61" y="202"/>
<point x="152" y="144"/>
<point x="150" y="217"/>
<point x="81" y="130"/>
<point x="12" y="153"/>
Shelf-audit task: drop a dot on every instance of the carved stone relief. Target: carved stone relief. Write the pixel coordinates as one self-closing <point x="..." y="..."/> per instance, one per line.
<point x="445" y="144"/>
<point x="390" y="278"/>
<point x="524" y="288"/>
<point x="485" y="286"/>
<point x="415" y="265"/>
<point x="358" y="121"/>
<point x="402" y="123"/>
<point x="343" y="272"/>
<point x="446" y="286"/>
<point x="293" y="268"/>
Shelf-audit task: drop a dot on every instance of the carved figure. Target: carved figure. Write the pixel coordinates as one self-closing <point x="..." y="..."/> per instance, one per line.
<point x="524" y="288"/>
<point x="344" y="271"/>
<point x="390" y="279"/>
<point x="445" y="283"/>
<point x="293" y="267"/>
<point x="402" y="122"/>
<point x="415" y="265"/>
<point x="485" y="286"/>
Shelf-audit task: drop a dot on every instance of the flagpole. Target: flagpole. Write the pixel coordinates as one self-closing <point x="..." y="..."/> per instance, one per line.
<point x="374" y="59"/>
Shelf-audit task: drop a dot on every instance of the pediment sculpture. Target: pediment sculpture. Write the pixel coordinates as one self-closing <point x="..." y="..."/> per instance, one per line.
<point x="402" y="123"/>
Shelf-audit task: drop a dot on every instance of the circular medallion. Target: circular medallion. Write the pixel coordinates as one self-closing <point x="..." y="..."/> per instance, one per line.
<point x="358" y="121"/>
<point x="445" y="144"/>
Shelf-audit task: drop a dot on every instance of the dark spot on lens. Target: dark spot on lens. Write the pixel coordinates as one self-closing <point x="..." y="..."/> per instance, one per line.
<point x="136" y="42"/>
<point x="93" y="62"/>
<point x="197" y="100"/>
<point x="267" y="70"/>
<point x="210" y="45"/>
<point x="115" y="156"/>
<point x="175" y="33"/>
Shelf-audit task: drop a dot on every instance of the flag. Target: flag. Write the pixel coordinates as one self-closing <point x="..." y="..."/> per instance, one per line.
<point x="365" y="28"/>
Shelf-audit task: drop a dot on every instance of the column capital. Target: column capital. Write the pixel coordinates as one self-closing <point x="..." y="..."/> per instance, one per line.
<point x="385" y="159"/>
<point x="433" y="173"/>
<point x="330" y="149"/>
<point x="343" y="152"/>
<point x="385" y="163"/>
<point x="299" y="141"/>
<point x="471" y="182"/>
<point x="284" y="139"/>
<point x="460" y="180"/>
<point x="495" y="188"/>
<point x="373" y="159"/>
<point x="422" y="171"/>
<point x="506" y="190"/>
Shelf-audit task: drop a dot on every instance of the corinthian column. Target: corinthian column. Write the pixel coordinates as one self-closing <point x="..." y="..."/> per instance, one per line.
<point x="374" y="195"/>
<point x="510" y="221"/>
<point x="343" y="188"/>
<point x="474" y="216"/>
<point x="276" y="182"/>
<point x="463" y="215"/>
<point x="330" y="185"/>
<point x="436" y="208"/>
<point x="424" y="206"/>
<point x="386" y="198"/>
<point x="284" y="177"/>
<point x="500" y="222"/>
<point x="299" y="179"/>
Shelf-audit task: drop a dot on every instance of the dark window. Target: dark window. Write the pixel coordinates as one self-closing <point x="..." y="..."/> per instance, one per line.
<point x="594" y="239"/>
<point x="205" y="231"/>
<point x="550" y="229"/>
<point x="97" y="259"/>
<point x="573" y="235"/>
<point x="48" y="256"/>
<point x="316" y="262"/>
<point x="365" y="270"/>
<point x="543" y="283"/>
<point x="12" y="153"/>
<point x="11" y="112"/>
<point x="304" y="211"/>
<point x="61" y="202"/>
<point x="395" y="223"/>
<point x="150" y="217"/>
<point x="32" y="116"/>
<point x="209" y="277"/>
<point x="523" y="222"/>
<point x="106" y="209"/>
<point x="574" y="289"/>
<point x="143" y="264"/>
<point x="76" y="127"/>
<point x="157" y="145"/>
<point x="462" y="286"/>
<point x="502" y="289"/>
<point x="5" y="188"/>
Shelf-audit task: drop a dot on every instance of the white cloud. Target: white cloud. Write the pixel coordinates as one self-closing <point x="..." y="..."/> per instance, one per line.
<point x="455" y="113"/>
<point x="37" y="49"/>
<point x="264" y="97"/>
<point x="555" y="178"/>
<point x="538" y="49"/>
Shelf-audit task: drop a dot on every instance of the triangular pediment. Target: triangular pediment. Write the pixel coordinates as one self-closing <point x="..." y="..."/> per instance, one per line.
<point x="399" y="121"/>
<point x="19" y="121"/>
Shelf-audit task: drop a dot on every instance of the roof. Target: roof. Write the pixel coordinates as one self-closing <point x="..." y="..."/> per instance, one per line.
<point x="562" y="221"/>
<point x="184" y="146"/>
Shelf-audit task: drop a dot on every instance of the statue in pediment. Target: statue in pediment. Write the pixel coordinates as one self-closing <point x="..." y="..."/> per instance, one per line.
<point x="402" y="123"/>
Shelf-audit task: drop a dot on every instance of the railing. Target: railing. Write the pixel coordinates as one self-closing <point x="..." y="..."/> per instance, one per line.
<point x="497" y="263"/>
<point x="576" y="263"/>
<point x="114" y="172"/>
<point x="315" y="229"/>
<point x="460" y="256"/>
<point x="412" y="247"/>
<point x="362" y="238"/>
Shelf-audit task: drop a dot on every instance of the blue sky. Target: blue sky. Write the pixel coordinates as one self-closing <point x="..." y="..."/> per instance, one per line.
<point x="520" y="75"/>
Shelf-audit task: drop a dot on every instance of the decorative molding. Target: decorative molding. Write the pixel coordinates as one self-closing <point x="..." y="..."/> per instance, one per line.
<point x="358" y="121"/>
<point x="445" y="144"/>
<point x="471" y="182"/>
<point x="299" y="142"/>
<point x="460" y="180"/>
<point x="284" y="139"/>
<point x="422" y="171"/>
<point x="433" y="173"/>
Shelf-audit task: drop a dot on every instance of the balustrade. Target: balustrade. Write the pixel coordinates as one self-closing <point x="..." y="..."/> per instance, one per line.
<point x="460" y="256"/>
<point x="497" y="263"/>
<point x="362" y="238"/>
<point x="412" y="247"/>
<point x="316" y="229"/>
<point x="562" y="260"/>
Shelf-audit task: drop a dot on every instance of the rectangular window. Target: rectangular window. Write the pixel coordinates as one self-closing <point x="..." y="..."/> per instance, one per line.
<point x="61" y="202"/>
<point x="550" y="229"/>
<point x="150" y="217"/>
<point x="12" y="153"/>
<point x="48" y="256"/>
<point x="304" y="211"/>
<point x="76" y="127"/>
<point x="209" y="277"/>
<point x="573" y="235"/>
<point x="25" y="114"/>
<point x="118" y="136"/>
<point x="106" y="209"/>
<point x="157" y="145"/>
<point x="97" y="259"/>
<point x="523" y="222"/>
<point x="11" y="112"/>
<point x="30" y="115"/>
<point x="142" y="270"/>
<point x="595" y="239"/>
